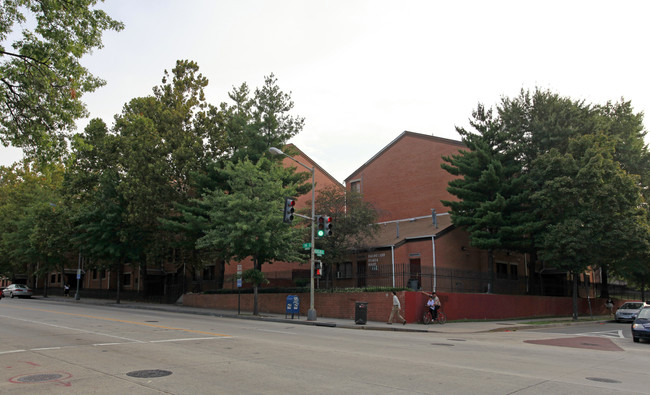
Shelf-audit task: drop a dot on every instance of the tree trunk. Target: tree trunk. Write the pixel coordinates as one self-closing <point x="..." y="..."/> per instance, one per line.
<point x="575" y="297"/>
<point x="532" y="289"/>
<point x="119" y="280"/>
<point x="256" y="266"/>
<point x="490" y="288"/>
<point x="604" y="290"/>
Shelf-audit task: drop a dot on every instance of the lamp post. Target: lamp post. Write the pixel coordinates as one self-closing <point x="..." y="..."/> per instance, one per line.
<point x="311" y="313"/>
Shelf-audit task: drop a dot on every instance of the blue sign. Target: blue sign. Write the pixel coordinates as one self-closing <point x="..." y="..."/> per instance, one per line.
<point x="293" y="305"/>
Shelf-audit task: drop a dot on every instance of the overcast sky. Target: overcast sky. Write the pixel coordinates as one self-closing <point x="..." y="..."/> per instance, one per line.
<point x="362" y="72"/>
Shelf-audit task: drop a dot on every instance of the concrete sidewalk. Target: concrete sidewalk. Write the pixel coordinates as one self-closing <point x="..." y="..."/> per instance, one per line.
<point x="449" y="327"/>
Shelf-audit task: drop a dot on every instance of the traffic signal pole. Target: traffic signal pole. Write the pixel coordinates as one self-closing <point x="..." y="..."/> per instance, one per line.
<point x="311" y="313"/>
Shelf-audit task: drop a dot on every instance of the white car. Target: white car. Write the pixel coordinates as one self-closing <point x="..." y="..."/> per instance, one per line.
<point x="629" y="310"/>
<point x="18" y="290"/>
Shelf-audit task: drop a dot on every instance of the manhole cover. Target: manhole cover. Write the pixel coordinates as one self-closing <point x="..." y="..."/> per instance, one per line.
<point x="40" y="378"/>
<point x="603" y="380"/>
<point x="149" y="373"/>
<point x="442" y="344"/>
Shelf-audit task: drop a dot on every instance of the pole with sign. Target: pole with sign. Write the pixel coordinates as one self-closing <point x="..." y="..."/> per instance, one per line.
<point x="238" y="289"/>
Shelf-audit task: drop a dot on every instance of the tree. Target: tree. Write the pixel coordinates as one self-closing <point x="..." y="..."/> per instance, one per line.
<point x="487" y="190"/>
<point x="31" y="227"/>
<point x="504" y="148"/>
<point x="589" y="206"/>
<point x="353" y="222"/>
<point x="257" y="278"/>
<point x="41" y="77"/>
<point x="246" y="218"/>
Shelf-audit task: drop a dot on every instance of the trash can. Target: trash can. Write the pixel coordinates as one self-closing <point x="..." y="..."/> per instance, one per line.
<point x="360" y="313"/>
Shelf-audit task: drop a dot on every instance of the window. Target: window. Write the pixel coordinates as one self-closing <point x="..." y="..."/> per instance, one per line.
<point x="513" y="272"/>
<point x="53" y="279"/>
<point x="502" y="270"/>
<point x="208" y="273"/>
<point x="344" y="270"/>
<point x="127" y="279"/>
<point x="58" y="278"/>
<point x="94" y="274"/>
<point x="103" y="273"/>
<point x="355" y="186"/>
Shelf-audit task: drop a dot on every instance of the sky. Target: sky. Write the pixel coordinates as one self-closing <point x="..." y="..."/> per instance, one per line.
<point x="361" y="72"/>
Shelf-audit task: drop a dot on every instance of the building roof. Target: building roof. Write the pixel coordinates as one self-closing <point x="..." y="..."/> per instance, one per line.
<point x="394" y="233"/>
<point x="400" y="137"/>
<point x="295" y="150"/>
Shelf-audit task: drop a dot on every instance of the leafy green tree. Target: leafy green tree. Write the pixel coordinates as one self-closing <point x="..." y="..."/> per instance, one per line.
<point x="504" y="148"/>
<point x="353" y="222"/>
<point x="589" y="205"/>
<point x="42" y="79"/>
<point x="28" y="202"/>
<point x="257" y="278"/>
<point x="246" y="218"/>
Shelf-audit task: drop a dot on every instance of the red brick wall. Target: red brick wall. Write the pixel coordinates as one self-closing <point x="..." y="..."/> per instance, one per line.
<point x="456" y="306"/>
<point x="406" y="180"/>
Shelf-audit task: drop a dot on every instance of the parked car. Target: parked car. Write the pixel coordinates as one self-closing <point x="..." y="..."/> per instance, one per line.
<point x="641" y="325"/>
<point x="629" y="310"/>
<point x="18" y="290"/>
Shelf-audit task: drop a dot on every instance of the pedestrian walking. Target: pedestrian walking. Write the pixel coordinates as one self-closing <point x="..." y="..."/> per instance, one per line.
<point x="396" y="309"/>
<point x="610" y="306"/>
<point x="66" y="290"/>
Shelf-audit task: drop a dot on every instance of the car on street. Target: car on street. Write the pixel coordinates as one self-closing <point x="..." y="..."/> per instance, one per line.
<point x="629" y="310"/>
<point x="641" y="325"/>
<point x="18" y="290"/>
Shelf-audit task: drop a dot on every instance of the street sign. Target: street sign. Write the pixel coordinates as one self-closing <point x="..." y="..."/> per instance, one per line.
<point x="239" y="276"/>
<point x="306" y="246"/>
<point x="319" y="252"/>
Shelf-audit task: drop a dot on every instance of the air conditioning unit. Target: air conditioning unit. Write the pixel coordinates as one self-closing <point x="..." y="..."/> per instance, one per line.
<point x="339" y="275"/>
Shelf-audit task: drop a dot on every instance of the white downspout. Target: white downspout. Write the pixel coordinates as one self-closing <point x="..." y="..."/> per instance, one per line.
<point x="392" y="259"/>
<point x="433" y="247"/>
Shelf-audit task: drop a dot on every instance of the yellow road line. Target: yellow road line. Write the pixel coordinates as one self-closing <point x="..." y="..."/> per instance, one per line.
<point x="118" y="320"/>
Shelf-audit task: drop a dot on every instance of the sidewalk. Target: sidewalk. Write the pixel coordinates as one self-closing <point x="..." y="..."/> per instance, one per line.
<point x="449" y="327"/>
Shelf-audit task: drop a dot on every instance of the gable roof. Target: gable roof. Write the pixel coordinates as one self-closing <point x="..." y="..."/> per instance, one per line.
<point x="293" y="149"/>
<point x="405" y="134"/>
<point x="394" y="233"/>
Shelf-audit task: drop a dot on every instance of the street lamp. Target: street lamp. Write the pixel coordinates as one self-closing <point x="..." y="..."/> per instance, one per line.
<point x="311" y="313"/>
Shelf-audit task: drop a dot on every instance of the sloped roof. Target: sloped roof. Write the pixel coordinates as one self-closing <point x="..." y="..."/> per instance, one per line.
<point x="394" y="233"/>
<point x="292" y="148"/>
<point x="400" y="137"/>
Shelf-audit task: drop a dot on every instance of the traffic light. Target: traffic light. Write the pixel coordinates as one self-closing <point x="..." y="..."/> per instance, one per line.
<point x="318" y="269"/>
<point x="320" y="226"/>
<point x="328" y="226"/>
<point x="289" y="208"/>
<point x="323" y="226"/>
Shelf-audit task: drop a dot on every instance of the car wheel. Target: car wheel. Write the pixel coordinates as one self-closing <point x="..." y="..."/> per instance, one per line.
<point x="636" y="339"/>
<point x="11" y="295"/>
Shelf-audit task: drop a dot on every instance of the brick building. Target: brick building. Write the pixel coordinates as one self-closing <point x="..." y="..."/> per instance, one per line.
<point x="418" y="246"/>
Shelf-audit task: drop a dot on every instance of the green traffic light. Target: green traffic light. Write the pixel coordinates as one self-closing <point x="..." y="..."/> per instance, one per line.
<point x="320" y="233"/>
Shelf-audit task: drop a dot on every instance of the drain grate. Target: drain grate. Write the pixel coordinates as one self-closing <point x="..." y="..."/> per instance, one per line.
<point x="149" y="373"/>
<point x="603" y="380"/>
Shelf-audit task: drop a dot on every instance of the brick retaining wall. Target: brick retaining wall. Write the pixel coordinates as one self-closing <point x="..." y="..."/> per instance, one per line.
<point x="457" y="306"/>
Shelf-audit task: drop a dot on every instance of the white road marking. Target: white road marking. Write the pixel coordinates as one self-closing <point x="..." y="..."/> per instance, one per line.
<point x="183" y="340"/>
<point x="74" y="329"/>
<point x="11" y="352"/>
<point x="268" y="330"/>
<point x="45" y="348"/>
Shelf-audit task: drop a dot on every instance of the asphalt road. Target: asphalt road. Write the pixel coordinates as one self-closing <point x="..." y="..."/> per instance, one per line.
<point x="74" y="348"/>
